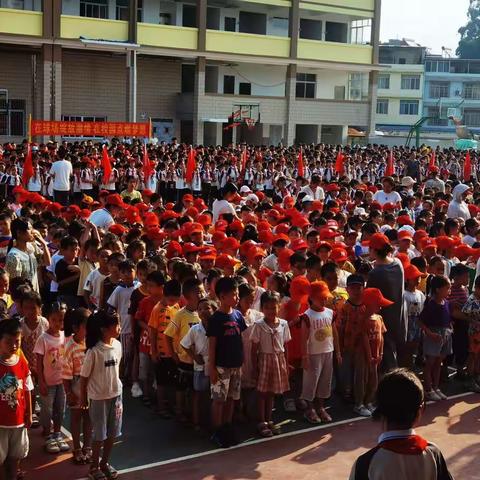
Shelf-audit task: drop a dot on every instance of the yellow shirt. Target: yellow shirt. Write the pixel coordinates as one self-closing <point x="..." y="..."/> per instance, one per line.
<point x="336" y="302"/>
<point x="86" y="266"/>
<point x="133" y="195"/>
<point x="160" y="318"/>
<point x="178" y="328"/>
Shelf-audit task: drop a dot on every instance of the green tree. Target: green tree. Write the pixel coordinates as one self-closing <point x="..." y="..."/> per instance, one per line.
<point x="469" y="44"/>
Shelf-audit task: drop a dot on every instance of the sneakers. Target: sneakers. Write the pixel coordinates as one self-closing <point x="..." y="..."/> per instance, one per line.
<point x="219" y="438"/>
<point x="363" y="411"/>
<point x="473" y="386"/>
<point x="136" y="390"/>
<point x="62" y="444"/>
<point x="371" y="407"/>
<point x="441" y="394"/>
<point x="433" y="396"/>
<point x="51" y="445"/>
<point x="289" y="405"/>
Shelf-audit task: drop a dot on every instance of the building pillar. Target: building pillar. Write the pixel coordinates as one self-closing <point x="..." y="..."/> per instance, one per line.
<point x="294" y="27"/>
<point x="198" y="98"/>
<point x="219" y="133"/>
<point x="319" y="134"/>
<point x="344" y="134"/>
<point x="373" y="77"/>
<point x="202" y="25"/>
<point x="132" y="85"/>
<point x="132" y="21"/>
<point x="290" y="87"/>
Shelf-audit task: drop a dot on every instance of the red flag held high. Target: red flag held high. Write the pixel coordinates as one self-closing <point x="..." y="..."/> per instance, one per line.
<point x="467" y="167"/>
<point x="106" y="165"/>
<point x="27" y="167"/>
<point x="147" y="165"/>
<point x="244" y="159"/>
<point x="339" y="167"/>
<point x="390" y="168"/>
<point x="300" y="166"/>
<point x="191" y="166"/>
<point x="433" y="160"/>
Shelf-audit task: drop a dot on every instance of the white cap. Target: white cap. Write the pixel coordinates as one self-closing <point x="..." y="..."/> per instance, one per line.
<point x="245" y="189"/>
<point x="408" y="228"/>
<point x="359" y="211"/>
<point x="252" y="198"/>
<point x="307" y="198"/>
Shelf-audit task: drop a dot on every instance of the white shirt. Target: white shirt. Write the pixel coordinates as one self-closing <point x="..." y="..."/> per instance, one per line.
<point x="51" y="268"/>
<point x="102" y="218"/>
<point x="197" y="338"/>
<point x="469" y="240"/>
<point x="319" y="194"/>
<point x="101" y="367"/>
<point x="62" y="171"/>
<point x="220" y="207"/>
<point x="93" y="285"/>
<point x="382" y="198"/>
<point x="120" y="301"/>
<point x="320" y="333"/>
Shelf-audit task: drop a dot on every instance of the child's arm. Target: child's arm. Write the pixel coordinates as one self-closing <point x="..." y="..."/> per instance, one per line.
<point x="336" y="344"/>
<point x="171" y="350"/>
<point x="153" y="342"/>
<point x="28" y="409"/>
<point x="254" y="357"/>
<point x="83" y="392"/>
<point x="380" y="350"/>
<point x="212" y="370"/>
<point x="42" y="385"/>
<point x="366" y="346"/>
<point x="304" y="342"/>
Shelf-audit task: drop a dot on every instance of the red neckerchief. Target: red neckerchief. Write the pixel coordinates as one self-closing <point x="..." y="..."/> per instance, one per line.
<point x="411" y="445"/>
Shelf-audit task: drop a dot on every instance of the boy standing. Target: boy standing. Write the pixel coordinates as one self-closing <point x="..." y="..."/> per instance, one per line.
<point x="225" y="359"/>
<point x="67" y="272"/>
<point x="15" y="399"/>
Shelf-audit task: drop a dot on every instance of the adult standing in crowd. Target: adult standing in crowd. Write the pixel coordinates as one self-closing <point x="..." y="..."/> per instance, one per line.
<point x="61" y="172"/>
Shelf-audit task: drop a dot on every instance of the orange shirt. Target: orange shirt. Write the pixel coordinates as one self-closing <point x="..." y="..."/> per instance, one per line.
<point x="375" y="329"/>
<point x="350" y="324"/>
<point x="159" y="320"/>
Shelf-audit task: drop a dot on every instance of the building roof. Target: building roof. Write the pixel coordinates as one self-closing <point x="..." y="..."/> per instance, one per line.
<point x="404" y="42"/>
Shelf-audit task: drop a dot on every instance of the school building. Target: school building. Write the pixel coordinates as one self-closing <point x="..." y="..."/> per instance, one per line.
<point x="295" y="71"/>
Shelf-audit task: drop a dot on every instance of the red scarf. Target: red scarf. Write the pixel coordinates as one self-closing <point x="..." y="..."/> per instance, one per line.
<point x="411" y="445"/>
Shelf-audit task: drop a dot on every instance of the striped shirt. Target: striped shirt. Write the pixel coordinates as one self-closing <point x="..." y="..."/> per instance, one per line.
<point x="73" y="358"/>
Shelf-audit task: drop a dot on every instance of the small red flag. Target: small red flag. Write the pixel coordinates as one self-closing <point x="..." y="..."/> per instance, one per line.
<point x="147" y="165"/>
<point x="106" y="165"/>
<point x="300" y="166"/>
<point x="243" y="159"/>
<point x="191" y="166"/>
<point x="390" y="170"/>
<point x="467" y="167"/>
<point x="27" y="167"/>
<point x="433" y="160"/>
<point x="339" y="167"/>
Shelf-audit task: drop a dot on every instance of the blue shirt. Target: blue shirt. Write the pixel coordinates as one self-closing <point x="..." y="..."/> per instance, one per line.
<point x="436" y="315"/>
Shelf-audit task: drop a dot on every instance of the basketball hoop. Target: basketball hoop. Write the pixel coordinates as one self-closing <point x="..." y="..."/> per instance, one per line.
<point x="250" y="123"/>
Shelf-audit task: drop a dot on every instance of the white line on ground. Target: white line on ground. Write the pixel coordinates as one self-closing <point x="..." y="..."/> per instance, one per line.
<point x="257" y="441"/>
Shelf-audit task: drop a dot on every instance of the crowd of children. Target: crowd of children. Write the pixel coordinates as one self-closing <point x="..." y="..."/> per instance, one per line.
<point x="277" y="303"/>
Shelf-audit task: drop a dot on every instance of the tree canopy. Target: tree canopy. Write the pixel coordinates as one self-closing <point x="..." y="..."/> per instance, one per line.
<point x="469" y="44"/>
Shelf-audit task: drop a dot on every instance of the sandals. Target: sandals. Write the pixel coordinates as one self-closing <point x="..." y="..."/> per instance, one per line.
<point x="51" y="445"/>
<point x="108" y="471"/>
<point x="264" y="430"/>
<point x="324" y="416"/>
<point x="87" y="453"/>
<point x="312" y="417"/>
<point x="275" y="429"/>
<point x="79" y="457"/>
<point x="96" y="474"/>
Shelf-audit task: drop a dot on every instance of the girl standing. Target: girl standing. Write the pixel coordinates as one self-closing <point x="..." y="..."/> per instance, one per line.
<point x="101" y="389"/>
<point x="76" y="325"/>
<point x="435" y="322"/>
<point x="269" y="358"/>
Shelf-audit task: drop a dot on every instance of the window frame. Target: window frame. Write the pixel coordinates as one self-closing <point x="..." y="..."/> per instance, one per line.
<point x="409" y="110"/>
<point x="410" y="82"/>
<point x="385" y="103"/>
<point x="306" y="81"/>
<point x="89" y="7"/>
<point x="383" y="76"/>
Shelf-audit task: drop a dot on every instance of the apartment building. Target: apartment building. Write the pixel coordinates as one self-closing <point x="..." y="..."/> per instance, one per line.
<point x="307" y="70"/>
<point x="400" y="86"/>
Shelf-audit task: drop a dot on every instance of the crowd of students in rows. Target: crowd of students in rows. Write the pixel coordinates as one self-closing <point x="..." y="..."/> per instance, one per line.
<point x="267" y="293"/>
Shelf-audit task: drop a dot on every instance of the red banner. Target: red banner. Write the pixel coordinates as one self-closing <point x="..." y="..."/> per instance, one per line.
<point x="90" y="129"/>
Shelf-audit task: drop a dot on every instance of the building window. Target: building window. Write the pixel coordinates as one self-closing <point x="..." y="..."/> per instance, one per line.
<point x="230" y="24"/>
<point x="439" y="89"/>
<point x="245" y="88"/>
<point x="94" y="8"/>
<point x="229" y="84"/>
<point x="361" y="31"/>
<point x="188" y="78"/>
<point x="472" y="118"/>
<point x="383" y="81"/>
<point x="3" y="112"/>
<point x="471" y="91"/>
<point x="12" y="116"/>
<point x="122" y="10"/>
<point x="382" y="106"/>
<point x="410" y="82"/>
<point x="442" y="66"/>
<point x="408" y="107"/>
<point x="306" y="83"/>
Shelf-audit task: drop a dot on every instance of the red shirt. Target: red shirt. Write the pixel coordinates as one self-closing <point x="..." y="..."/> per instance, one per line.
<point x="15" y="381"/>
<point x="291" y="312"/>
<point x="145" y="308"/>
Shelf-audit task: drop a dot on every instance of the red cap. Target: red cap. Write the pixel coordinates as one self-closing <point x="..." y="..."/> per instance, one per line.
<point x="283" y="228"/>
<point x="255" y="252"/>
<point x="132" y="215"/>
<point x="225" y="261"/>
<point x="378" y="241"/>
<point x="195" y="227"/>
<point x="85" y="213"/>
<point x="190" y="247"/>
<point x="412" y="272"/>
<point x="265" y="236"/>
<point x="174" y="249"/>
<point x="462" y="252"/>
<point x="187" y="197"/>
<point x="246" y="246"/>
<point x="116" y="200"/>
<point x="428" y="242"/>
<point x="147" y="192"/>
<point x="300" y="222"/>
<point x="236" y="226"/>
<point x="419" y="234"/>
<point x="327" y="233"/>
<point x="300" y="289"/>
<point x="117" y="229"/>
<point x="218" y="237"/>
<point x="404" y="220"/>
<point x="326" y="245"/>
<point x="284" y="259"/>
<point x="374" y="297"/>
<point x="192" y="212"/>
<point x="150" y="219"/>
<point x="280" y="237"/>
<point x="298" y="244"/>
<point x="332" y="187"/>
<point x="319" y="289"/>
<point x="444" y="242"/>
<point x="375" y="206"/>
<point x="404" y="259"/>
<point x="230" y="243"/>
<point x="441" y="204"/>
<point x="389" y="206"/>
<point x="208" y="253"/>
<point x="405" y="235"/>
<point x="205" y="219"/>
<point x="339" y="255"/>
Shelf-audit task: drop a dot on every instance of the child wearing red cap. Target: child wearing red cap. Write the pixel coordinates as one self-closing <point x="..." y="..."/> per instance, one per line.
<point x="319" y="342"/>
<point x="372" y="349"/>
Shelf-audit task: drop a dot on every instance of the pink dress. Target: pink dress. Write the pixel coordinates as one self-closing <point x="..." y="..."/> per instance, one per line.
<point x="248" y="380"/>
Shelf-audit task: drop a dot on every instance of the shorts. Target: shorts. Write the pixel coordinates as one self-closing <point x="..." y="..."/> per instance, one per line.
<point x="165" y="371"/>
<point x="432" y="348"/>
<point x="229" y="384"/>
<point x="144" y="366"/>
<point x="474" y="342"/>
<point x="13" y="443"/>
<point x="184" y="376"/>
<point x="201" y="382"/>
<point x="317" y="378"/>
<point x="106" y="418"/>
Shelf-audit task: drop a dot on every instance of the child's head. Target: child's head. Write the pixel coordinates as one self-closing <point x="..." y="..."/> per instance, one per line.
<point x="319" y="294"/>
<point x="400" y="400"/>
<point x="460" y="274"/>
<point x="10" y="337"/>
<point x="155" y="282"/>
<point x="227" y="292"/>
<point x="270" y="305"/>
<point x="127" y="271"/>
<point x="436" y="265"/>
<point x="136" y="250"/>
<point x="355" y="287"/>
<point x="246" y="295"/>
<point x="313" y="266"/>
<point x="298" y="264"/>
<point x="206" y="308"/>
<point x="76" y="323"/>
<point x="329" y="273"/>
<point x="69" y="248"/>
<point x="4" y="281"/>
<point x="144" y="267"/>
<point x="420" y="263"/>
<point x="440" y="287"/>
<point x="278" y="282"/>
<point x="102" y="326"/>
<point x="374" y="301"/>
<point x="31" y="303"/>
<point x="91" y="249"/>
<point x="114" y="261"/>
<point x="102" y="257"/>
<point x="172" y="291"/>
<point x="192" y="290"/>
<point x="5" y="221"/>
<point x="56" y="315"/>
<point x="412" y="277"/>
